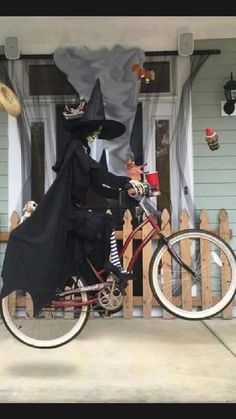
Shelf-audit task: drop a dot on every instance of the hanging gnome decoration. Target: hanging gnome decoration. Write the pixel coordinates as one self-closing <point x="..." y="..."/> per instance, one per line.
<point x="212" y="139"/>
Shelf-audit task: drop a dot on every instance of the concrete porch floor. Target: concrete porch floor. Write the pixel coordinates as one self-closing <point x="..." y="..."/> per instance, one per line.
<point x="125" y="361"/>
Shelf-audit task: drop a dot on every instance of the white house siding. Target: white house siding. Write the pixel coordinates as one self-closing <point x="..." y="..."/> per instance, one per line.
<point x="215" y="171"/>
<point x="3" y="180"/>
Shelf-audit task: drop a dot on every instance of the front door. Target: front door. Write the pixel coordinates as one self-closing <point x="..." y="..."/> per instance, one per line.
<point x="158" y="121"/>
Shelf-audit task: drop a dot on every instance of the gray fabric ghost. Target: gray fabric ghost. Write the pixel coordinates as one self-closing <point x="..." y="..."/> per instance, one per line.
<point x="119" y="84"/>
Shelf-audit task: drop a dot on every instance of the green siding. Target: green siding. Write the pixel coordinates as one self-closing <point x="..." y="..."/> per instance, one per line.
<point x="3" y="155"/>
<point x="3" y="207"/>
<point x="214" y="162"/>
<point x="215" y="189"/>
<point x="3" y="167"/>
<point x="4" y="222"/>
<point x="224" y="150"/>
<point x="223" y="123"/>
<point x="3" y="142"/>
<point x="205" y="98"/>
<point x="3" y="119"/>
<point x="208" y="85"/>
<point x="206" y="111"/>
<point x="3" y="180"/>
<point x="3" y="127"/>
<point x="215" y="171"/>
<point x="214" y="176"/>
<point x="4" y="193"/>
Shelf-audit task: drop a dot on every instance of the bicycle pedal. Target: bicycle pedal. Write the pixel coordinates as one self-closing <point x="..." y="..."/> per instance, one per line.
<point x="101" y="311"/>
<point x="105" y="314"/>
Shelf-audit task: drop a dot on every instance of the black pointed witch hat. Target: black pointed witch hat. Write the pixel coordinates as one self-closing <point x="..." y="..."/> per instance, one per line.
<point x="94" y="116"/>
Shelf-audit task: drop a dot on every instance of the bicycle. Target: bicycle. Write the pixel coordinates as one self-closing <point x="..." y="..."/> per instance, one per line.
<point x="182" y="267"/>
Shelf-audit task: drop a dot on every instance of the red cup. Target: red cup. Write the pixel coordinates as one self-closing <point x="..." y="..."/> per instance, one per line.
<point x="153" y="179"/>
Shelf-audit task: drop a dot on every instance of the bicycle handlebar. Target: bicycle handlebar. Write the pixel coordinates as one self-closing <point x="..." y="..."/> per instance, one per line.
<point x="146" y="206"/>
<point x="149" y="190"/>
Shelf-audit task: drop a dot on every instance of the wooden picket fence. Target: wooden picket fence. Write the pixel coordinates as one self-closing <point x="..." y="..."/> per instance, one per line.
<point x="147" y="301"/>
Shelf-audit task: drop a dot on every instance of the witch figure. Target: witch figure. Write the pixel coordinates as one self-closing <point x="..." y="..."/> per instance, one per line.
<point x="63" y="232"/>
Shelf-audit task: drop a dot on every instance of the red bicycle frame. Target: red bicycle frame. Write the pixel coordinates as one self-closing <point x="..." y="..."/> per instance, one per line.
<point x="100" y="274"/>
<point x="155" y="230"/>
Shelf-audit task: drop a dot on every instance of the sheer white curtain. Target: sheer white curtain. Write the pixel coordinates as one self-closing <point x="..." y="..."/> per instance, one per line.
<point x="178" y="111"/>
<point x="34" y="109"/>
<point x="182" y="145"/>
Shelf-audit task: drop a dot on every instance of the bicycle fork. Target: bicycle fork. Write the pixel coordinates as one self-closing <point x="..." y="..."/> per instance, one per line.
<point x="176" y="256"/>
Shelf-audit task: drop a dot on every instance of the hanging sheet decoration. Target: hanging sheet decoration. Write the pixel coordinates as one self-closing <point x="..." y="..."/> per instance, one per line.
<point x="119" y="85"/>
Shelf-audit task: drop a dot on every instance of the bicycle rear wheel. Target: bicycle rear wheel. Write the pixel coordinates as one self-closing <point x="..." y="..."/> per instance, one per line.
<point x="183" y="294"/>
<point x="53" y="326"/>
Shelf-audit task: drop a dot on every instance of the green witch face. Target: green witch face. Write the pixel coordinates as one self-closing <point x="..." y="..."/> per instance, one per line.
<point x="94" y="135"/>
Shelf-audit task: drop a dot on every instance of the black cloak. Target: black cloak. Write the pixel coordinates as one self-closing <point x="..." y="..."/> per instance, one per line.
<point x="40" y="251"/>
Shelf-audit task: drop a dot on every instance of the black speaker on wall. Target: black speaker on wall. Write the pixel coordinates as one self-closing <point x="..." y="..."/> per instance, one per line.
<point x="11" y="48"/>
<point x="185" y="44"/>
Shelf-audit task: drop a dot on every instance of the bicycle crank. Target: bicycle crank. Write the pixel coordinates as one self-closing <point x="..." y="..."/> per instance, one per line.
<point x="111" y="297"/>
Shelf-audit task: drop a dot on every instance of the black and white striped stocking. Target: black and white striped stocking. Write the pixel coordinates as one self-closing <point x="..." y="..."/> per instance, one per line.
<point x="115" y="260"/>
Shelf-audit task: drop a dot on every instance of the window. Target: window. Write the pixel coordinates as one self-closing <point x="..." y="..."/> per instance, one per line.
<point x="164" y="82"/>
<point x="161" y="83"/>
<point x="47" y="79"/>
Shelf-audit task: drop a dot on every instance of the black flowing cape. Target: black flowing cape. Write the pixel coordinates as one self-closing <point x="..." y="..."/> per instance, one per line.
<point x="37" y="253"/>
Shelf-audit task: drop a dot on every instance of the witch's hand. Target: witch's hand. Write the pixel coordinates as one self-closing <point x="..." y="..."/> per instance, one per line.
<point x="133" y="171"/>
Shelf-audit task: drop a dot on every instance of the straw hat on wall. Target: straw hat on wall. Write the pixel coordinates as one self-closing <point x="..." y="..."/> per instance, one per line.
<point x="8" y="101"/>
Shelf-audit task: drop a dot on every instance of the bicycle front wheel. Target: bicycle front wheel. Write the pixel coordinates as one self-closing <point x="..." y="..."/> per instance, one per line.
<point x="203" y="294"/>
<point x="55" y="324"/>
